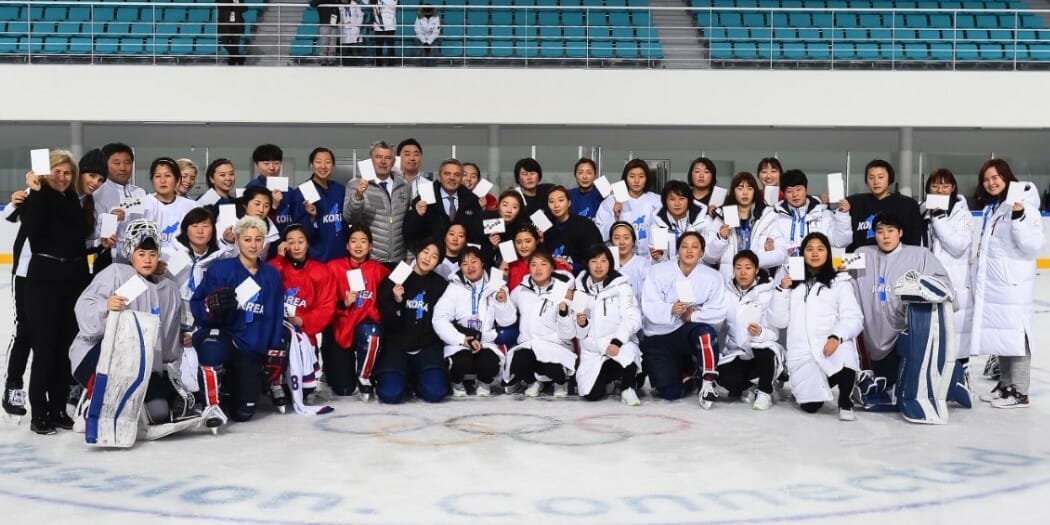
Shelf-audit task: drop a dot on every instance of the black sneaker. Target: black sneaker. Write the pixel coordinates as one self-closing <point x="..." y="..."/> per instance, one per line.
<point x="61" y="420"/>
<point x="14" y="401"/>
<point x="42" y="426"/>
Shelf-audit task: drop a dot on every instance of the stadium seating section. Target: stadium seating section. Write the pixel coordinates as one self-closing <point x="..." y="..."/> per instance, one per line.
<point x="984" y="32"/>
<point x="522" y="29"/>
<point x="734" y="32"/>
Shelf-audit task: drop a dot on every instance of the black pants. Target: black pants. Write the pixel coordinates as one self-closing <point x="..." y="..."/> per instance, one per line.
<point x="524" y="366"/>
<point x="349" y="54"/>
<point x="18" y="350"/>
<point x="844" y="379"/>
<point x="611" y="371"/>
<point x="484" y="364"/>
<point x="384" y="48"/>
<point x="231" y="42"/>
<point x="53" y="325"/>
<point x="888" y="367"/>
<point x="736" y="375"/>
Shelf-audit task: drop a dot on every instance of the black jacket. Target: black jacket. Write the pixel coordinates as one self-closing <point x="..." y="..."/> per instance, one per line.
<point x="436" y="222"/>
<point x="407" y="325"/>
<point x="57" y="230"/>
<point x="863" y="209"/>
<point x="572" y="239"/>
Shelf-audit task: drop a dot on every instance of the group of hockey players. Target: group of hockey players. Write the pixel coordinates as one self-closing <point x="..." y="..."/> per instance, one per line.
<point x="395" y="285"/>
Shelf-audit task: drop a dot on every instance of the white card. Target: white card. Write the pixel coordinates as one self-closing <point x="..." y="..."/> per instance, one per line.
<point x="289" y="310"/>
<point x="356" y="280"/>
<point x="660" y="239"/>
<point x="132" y="289"/>
<point x="796" y="269"/>
<point x="854" y="261"/>
<point x="309" y="192"/>
<point x="227" y="218"/>
<point x="132" y="205"/>
<point x="836" y="188"/>
<point x="40" y="160"/>
<point x="507" y="251"/>
<point x="685" y="292"/>
<point x="603" y="186"/>
<point x="558" y="291"/>
<point x="748" y="314"/>
<point x="490" y="226"/>
<point x="483" y="188"/>
<point x="366" y="169"/>
<point x="580" y="302"/>
<point x="731" y="216"/>
<point x="397" y="164"/>
<point x="1015" y="194"/>
<point x="772" y="194"/>
<point x="937" y="202"/>
<point x="277" y="183"/>
<point x="496" y="279"/>
<point x="426" y="192"/>
<point x="246" y="290"/>
<point x="718" y="196"/>
<point x="108" y="225"/>
<point x="539" y="218"/>
<point x="177" y="262"/>
<point x="401" y="273"/>
<point x="620" y="192"/>
<point x="210" y="197"/>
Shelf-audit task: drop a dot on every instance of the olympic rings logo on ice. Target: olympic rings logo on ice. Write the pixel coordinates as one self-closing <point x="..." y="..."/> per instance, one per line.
<point x="415" y="430"/>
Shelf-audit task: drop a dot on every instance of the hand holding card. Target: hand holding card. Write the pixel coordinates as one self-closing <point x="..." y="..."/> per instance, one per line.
<point x="401" y="273"/>
<point x="356" y="280"/>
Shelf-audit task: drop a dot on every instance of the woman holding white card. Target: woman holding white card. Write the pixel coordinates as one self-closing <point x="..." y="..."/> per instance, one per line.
<point x="678" y="215"/>
<point x="508" y="209"/>
<point x="464" y="318"/>
<point x="56" y="228"/>
<point x="744" y="223"/>
<point x="221" y="178"/>
<point x="165" y="206"/>
<point x="352" y="341"/>
<point x="702" y="179"/>
<point x="451" y="248"/>
<point x="769" y="172"/>
<point x="636" y="208"/>
<point x="570" y="234"/>
<point x="471" y="179"/>
<point x="630" y="265"/>
<point x="240" y="307"/>
<point x="947" y="233"/>
<point x="823" y="320"/>
<point x="544" y="350"/>
<point x="683" y="307"/>
<point x="317" y="205"/>
<point x="751" y="356"/>
<point x="1003" y="279"/>
<point x="256" y="202"/>
<point x="412" y="359"/>
<point x="527" y="242"/>
<point x="607" y="323"/>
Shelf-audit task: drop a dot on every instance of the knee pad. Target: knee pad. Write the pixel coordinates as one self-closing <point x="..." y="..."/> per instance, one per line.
<point x="212" y="347"/>
<point x="242" y="412"/>
<point x="390" y="387"/>
<point x="433" y="385"/>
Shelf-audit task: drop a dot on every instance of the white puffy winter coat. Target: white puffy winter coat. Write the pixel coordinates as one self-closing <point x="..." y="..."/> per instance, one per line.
<point x="612" y="313"/>
<point x="721" y="251"/>
<point x="811" y="314"/>
<point x="471" y="305"/>
<point x="540" y="326"/>
<point x="1003" y="279"/>
<point x="742" y="308"/>
<point x="951" y="239"/>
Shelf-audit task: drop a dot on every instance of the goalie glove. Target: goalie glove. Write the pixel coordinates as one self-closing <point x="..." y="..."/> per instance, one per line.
<point x="913" y="287"/>
<point x="220" y="303"/>
<point x="273" y="366"/>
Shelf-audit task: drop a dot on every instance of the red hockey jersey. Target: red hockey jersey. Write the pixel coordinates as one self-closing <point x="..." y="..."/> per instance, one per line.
<point x="310" y="290"/>
<point x="346" y="319"/>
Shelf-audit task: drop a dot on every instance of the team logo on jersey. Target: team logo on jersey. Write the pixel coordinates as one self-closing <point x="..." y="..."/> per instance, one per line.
<point x="168" y="232"/>
<point x="253" y="308"/>
<point x="418" y="304"/>
<point x="865" y="225"/>
<point x="291" y="297"/>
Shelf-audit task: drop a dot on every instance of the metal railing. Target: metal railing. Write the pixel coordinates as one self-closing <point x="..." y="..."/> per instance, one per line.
<point x="509" y="35"/>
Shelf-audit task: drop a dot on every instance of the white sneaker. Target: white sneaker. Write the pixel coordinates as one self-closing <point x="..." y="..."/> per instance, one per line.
<point x="458" y="390"/>
<point x="763" y="401"/>
<point x="1011" y="398"/>
<point x="749" y="396"/>
<point x="534" y="389"/>
<point x="630" y="398"/>
<point x="846" y="414"/>
<point x="561" y="390"/>
<point x="995" y="394"/>
<point x="708" y="395"/>
<point x="484" y="390"/>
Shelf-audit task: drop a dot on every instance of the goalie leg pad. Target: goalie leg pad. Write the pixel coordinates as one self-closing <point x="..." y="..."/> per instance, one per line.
<point x="121" y="379"/>
<point x="927" y="363"/>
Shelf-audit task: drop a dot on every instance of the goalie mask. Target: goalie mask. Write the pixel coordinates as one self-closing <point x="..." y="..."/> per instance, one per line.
<point x="141" y="233"/>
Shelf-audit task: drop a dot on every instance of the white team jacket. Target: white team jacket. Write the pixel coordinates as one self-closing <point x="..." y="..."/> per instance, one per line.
<point x="951" y="241"/>
<point x="540" y="327"/>
<point x="463" y="302"/>
<point x="659" y="293"/>
<point x="794" y="224"/>
<point x="637" y="212"/>
<point x="721" y="251"/>
<point x="428" y="29"/>
<point x="744" y="307"/>
<point x="612" y="313"/>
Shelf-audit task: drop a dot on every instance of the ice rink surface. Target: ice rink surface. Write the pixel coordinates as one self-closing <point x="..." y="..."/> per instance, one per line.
<point x="506" y="460"/>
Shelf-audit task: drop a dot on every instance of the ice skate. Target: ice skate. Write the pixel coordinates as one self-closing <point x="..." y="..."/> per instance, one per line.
<point x="364" y="390"/>
<point x="708" y="395"/>
<point x="280" y="401"/>
<point x="15" y="404"/>
<point x="214" y="418"/>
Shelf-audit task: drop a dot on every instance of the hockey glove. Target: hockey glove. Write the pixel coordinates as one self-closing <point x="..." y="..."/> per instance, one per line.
<point x="220" y="303"/>
<point x="273" y="366"/>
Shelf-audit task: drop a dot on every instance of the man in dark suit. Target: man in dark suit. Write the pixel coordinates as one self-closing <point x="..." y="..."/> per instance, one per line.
<point x="455" y="205"/>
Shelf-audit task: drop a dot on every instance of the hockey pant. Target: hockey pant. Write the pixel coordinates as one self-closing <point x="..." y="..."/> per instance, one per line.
<point x="674" y="361"/>
<point x="344" y="368"/>
<point x="230" y="378"/>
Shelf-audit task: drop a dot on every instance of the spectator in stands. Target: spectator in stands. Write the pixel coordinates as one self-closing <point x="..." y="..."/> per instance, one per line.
<point x="428" y="29"/>
<point x="528" y="173"/>
<point x="585" y="198"/>
<point x="701" y="176"/>
<point x="471" y="178"/>
<point x="455" y="205"/>
<point x="328" y="30"/>
<point x="189" y="176"/>
<point x="380" y="205"/>
<point x="385" y="25"/>
<point x="351" y="18"/>
<point x="410" y="151"/>
<point x="118" y="195"/>
<point x="231" y="30"/>
<point x="863" y="207"/>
